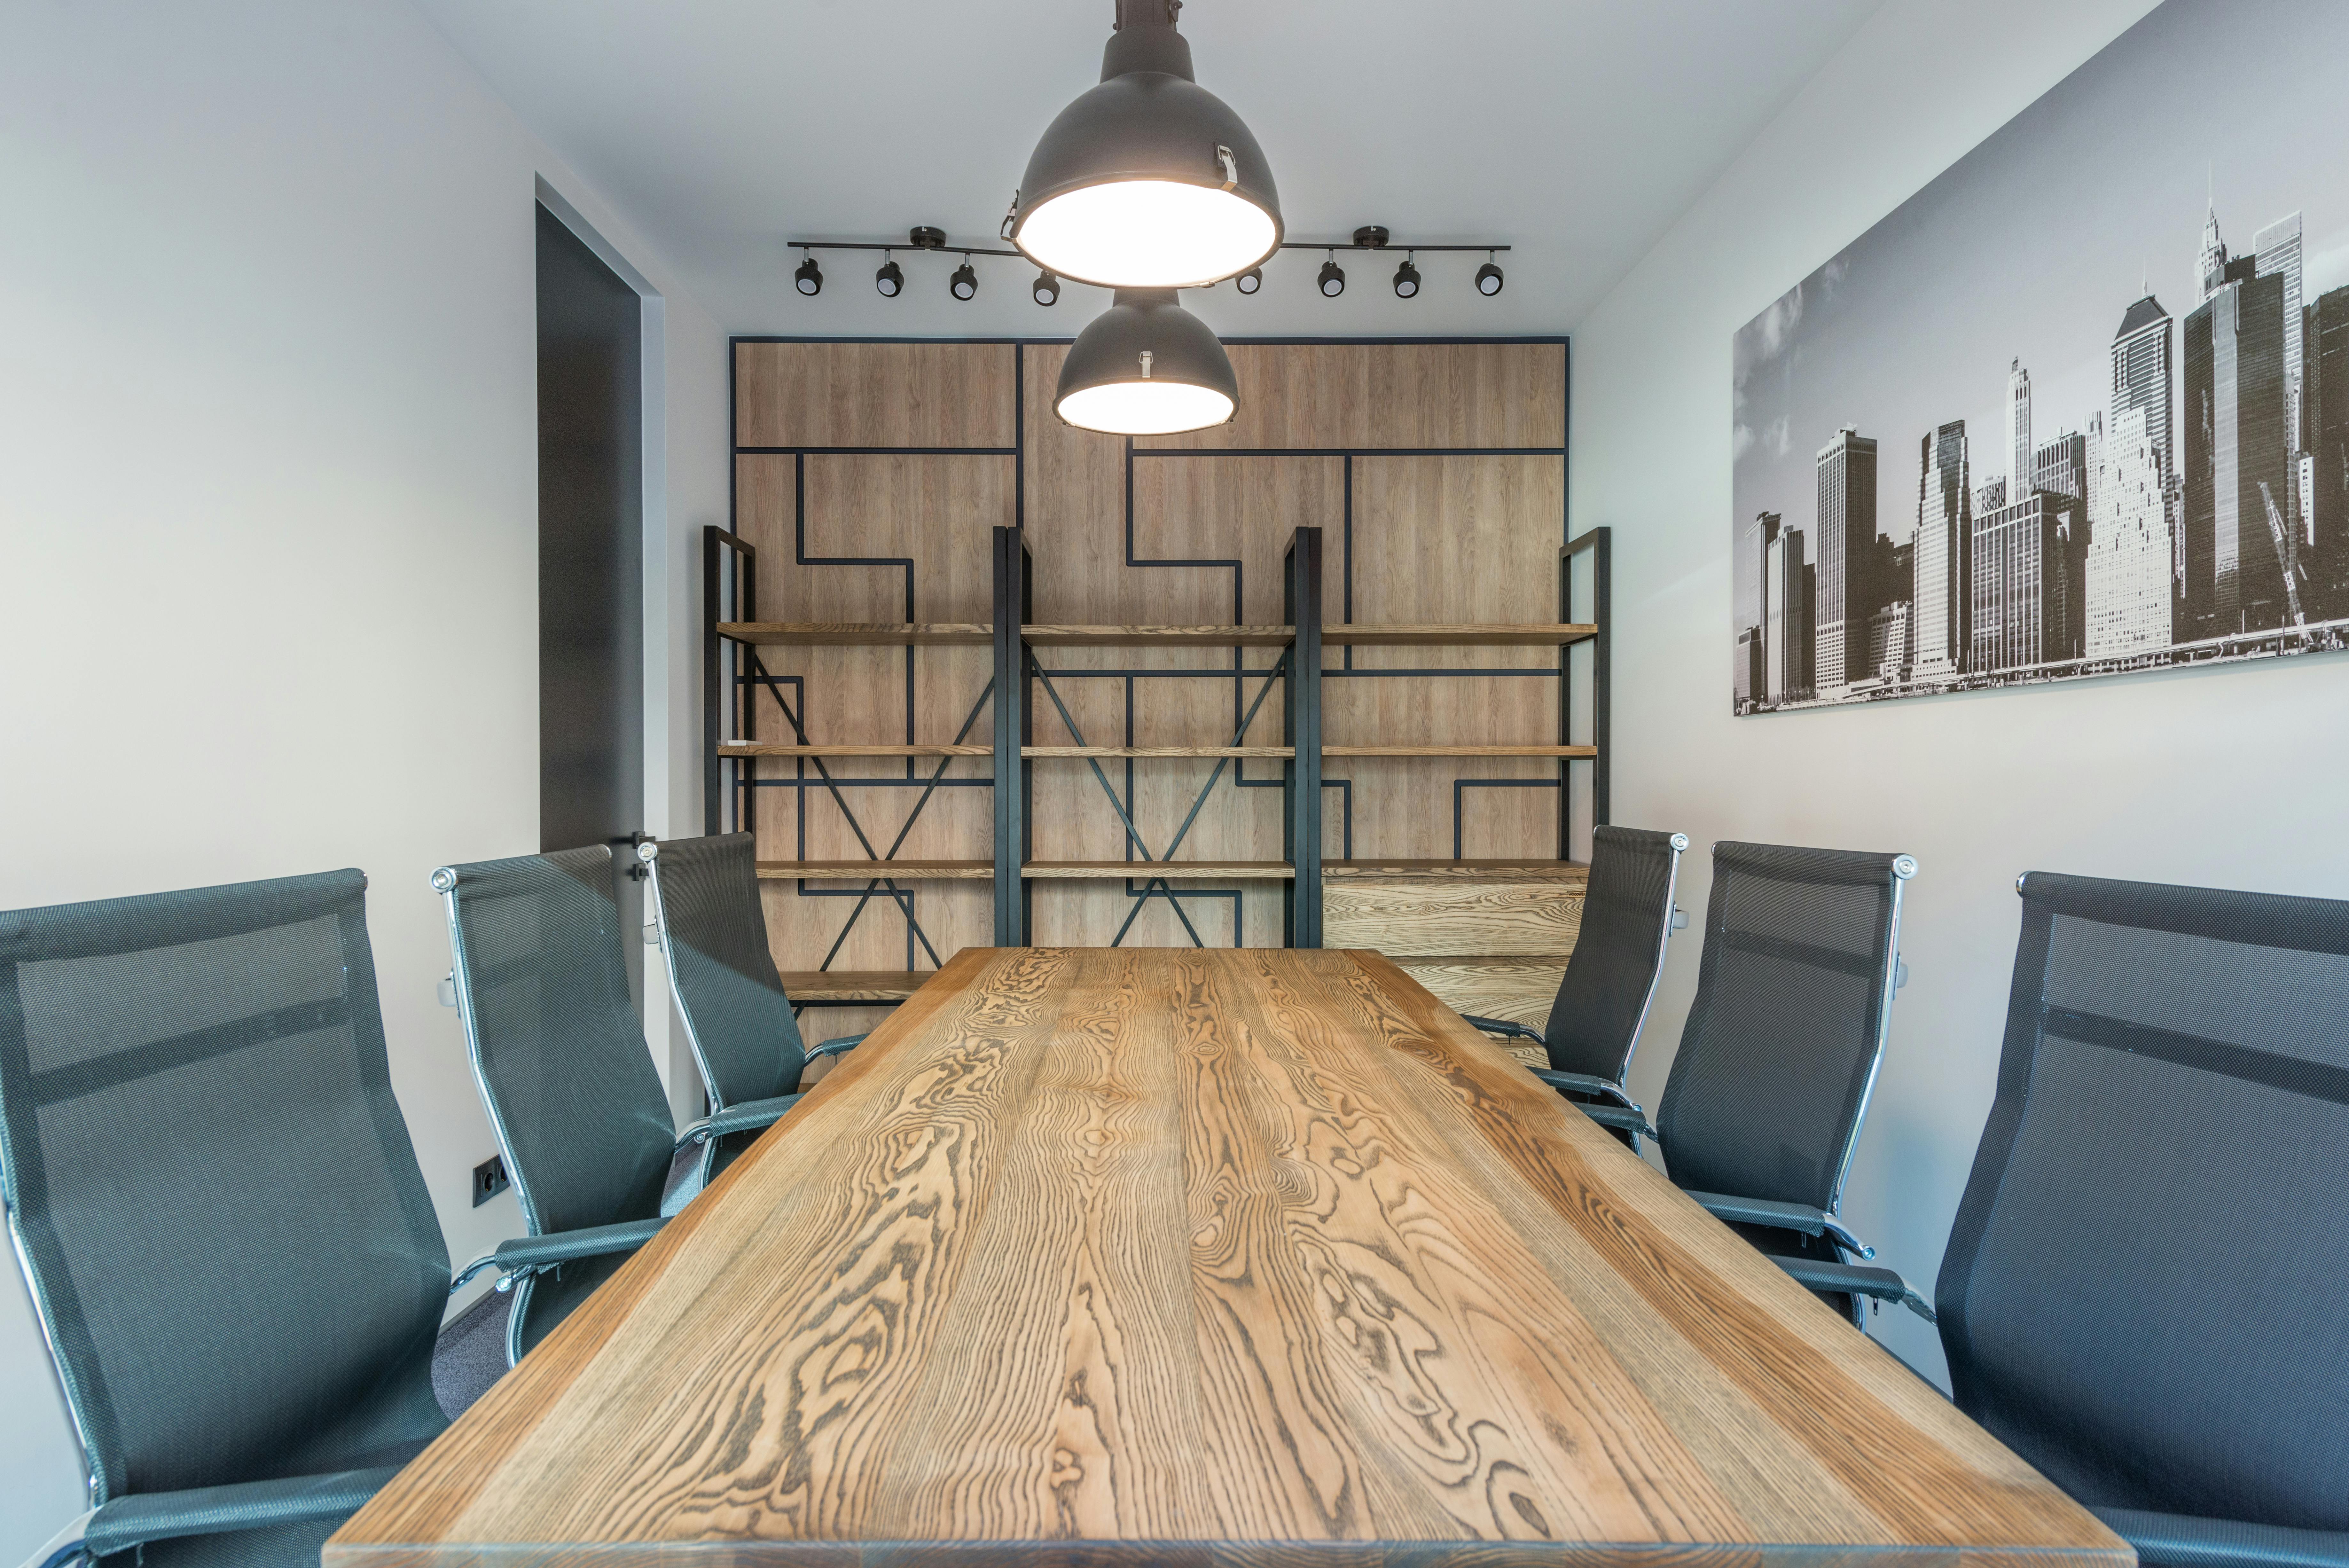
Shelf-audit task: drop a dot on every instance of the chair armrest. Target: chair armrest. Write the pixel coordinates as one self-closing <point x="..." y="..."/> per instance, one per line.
<point x="134" y="1520"/>
<point x="1584" y="1083"/>
<point x="2181" y="1541"/>
<point x="1630" y="1121"/>
<point x="748" y="1116"/>
<point x="1853" y="1278"/>
<point x="1799" y="1217"/>
<point x="839" y="1047"/>
<point x="527" y="1254"/>
<point x="1502" y="1026"/>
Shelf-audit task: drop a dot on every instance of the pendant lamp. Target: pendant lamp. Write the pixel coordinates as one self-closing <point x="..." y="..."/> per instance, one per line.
<point x="1148" y="181"/>
<point x="1145" y="366"/>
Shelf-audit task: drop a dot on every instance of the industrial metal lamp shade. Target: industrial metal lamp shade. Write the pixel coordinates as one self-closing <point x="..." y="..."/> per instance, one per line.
<point x="1148" y="181"/>
<point x="1145" y="366"/>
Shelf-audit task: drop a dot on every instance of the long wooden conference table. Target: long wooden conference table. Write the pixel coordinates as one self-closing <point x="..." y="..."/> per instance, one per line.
<point x="1182" y="1256"/>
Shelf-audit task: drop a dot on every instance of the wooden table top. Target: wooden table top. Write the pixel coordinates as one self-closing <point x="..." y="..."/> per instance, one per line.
<point x="1115" y="1256"/>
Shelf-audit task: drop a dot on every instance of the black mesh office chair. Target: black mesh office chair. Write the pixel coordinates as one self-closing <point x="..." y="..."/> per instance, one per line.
<point x="219" y="1213"/>
<point x="2143" y="1291"/>
<point x="713" y="933"/>
<point x="1610" y="978"/>
<point x="1764" y="1105"/>
<point x="560" y="1062"/>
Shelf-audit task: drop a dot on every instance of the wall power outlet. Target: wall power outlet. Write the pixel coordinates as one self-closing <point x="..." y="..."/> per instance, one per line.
<point x="490" y="1180"/>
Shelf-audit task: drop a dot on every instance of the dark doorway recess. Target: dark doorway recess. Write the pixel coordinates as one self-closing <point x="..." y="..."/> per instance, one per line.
<point x="591" y="776"/>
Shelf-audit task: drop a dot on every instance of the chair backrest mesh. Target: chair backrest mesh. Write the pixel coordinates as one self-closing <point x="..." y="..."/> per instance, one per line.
<point x="1766" y="1094"/>
<point x="228" y="1235"/>
<point x="556" y="1045"/>
<point x="715" y="934"/>
<point x="1627" y="911"/>
<point x="2142" y="1292"/>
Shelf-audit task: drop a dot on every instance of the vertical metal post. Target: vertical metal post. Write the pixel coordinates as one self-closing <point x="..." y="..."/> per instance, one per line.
<point x="1599" y="543"/>
<point x="1301" y="726"/>
<point x="712" y="691"/>
<point x="1013" y="579"/>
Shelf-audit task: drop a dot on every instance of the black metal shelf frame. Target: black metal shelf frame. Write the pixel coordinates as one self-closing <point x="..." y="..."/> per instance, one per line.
<point x="733" y="673"/>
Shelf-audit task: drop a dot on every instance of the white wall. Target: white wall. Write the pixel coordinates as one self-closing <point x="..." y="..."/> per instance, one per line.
<point x="2223" y="778"/>
<point x="268" y="504"/>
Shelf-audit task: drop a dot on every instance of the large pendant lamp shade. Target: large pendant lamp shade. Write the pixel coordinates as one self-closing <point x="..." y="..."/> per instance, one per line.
<point x="1145" y="366"/>
<point x="1148" y="181"/>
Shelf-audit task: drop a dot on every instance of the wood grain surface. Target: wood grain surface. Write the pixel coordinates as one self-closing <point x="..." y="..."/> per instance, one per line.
<point x="1202" y="1257"/>
<point x="851" y="985"/>
<point x="1172" y="870"/>
<point x="1545" y="634"/>
<point x="1412" y="915"/>
<point x="864" y="870"/>
<point x="859" y="634"/>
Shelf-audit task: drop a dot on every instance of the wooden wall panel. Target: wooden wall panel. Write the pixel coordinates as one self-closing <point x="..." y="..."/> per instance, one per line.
<point x="1177" y="531"/>
<point x="873" y="394"/>
<point x="1363" y="396"/>
<point x="938" y="513"/>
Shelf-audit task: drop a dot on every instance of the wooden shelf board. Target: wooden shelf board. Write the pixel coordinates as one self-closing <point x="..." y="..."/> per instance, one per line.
<point x="1459" y="750"/>
<point x="866" y="870"/>
<point x="1501" y="869"/>
<point x="857" y="634"/>
<point x="852" y="985"/>
<point x="1158" y="635"/>
<point x="1172" y="870"/>
<point x="1532" y="634"/>
<point x="1157" y="751"/>
<point x="766" y="749"/>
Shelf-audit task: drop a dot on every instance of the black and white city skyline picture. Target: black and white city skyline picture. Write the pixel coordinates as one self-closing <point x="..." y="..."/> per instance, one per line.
<point x="2079" y="407"/>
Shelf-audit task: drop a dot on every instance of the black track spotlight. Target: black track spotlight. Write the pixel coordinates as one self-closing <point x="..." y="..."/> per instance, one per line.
<point x="1249" y="281"/>
<point x="1406" y="280"/>
<point x="1333" y="278"/>
<point x="890" y="279"/>
<point x="809" y="277"/>
<point x="964" y="282"/>
<point x="1047" y="289"/>
<point x="1488" y="279"/>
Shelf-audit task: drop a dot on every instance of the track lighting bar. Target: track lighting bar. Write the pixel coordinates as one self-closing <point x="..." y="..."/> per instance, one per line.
<point x="1046" y="290"/>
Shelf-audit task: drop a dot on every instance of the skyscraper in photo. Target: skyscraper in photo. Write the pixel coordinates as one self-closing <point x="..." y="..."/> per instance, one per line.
<point x="2128" y="568"/>
<point x="2061" y="474"/>
<point x="1786" y="642"/>
<point x="2237" y="460"/>
<point x="2018" y="588"/>
<point x="1938" y="629"/>
<point x="2275" y="253"/>
<point x="2021" y="455"/>
<point x="1760" y="534"/>
<point x="2325" y="409"/>
<point x="1845" y="549"/>
<point x="2142" y="374"/>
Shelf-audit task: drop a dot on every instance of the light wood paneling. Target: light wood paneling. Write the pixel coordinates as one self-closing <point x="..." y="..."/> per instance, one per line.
<point x="778" y="749"/>
<point x="1363" y="396"/>
<point x="1171" y="870"/>
<point x="1545" y="634"/>
<point x="1204" y="1258"/>
<point x="1420" y="915"/>
<point x="937" y="512"/>
<point x="873" y="394"/>
<point x="864" y="870"/>
<point x="1204" y="513"/>
<point x="1514" y="988"/>
<point x="848" y="985"/>
<point x="1163" y="569"/>
<point x="776" y="634"/>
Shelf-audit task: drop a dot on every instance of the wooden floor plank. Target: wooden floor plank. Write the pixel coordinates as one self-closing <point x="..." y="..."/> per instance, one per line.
<point x="1212" y="1256"/>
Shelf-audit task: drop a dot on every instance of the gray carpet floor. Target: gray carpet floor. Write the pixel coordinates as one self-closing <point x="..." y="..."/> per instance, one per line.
<point x="471" y="1355"/>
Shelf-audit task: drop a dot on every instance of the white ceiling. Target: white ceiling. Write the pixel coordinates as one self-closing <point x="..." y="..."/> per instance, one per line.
<point x="1575" y="130"/>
